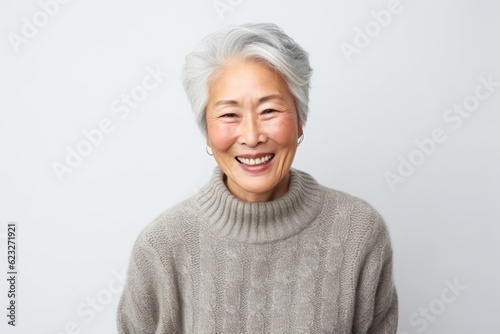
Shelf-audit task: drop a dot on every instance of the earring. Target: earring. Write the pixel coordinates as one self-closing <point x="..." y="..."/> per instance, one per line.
<point x="209" y="151"/>
<point x="301" y="139"/>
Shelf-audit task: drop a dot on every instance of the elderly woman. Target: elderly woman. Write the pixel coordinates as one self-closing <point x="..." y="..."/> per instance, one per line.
<point x="262" y="248"/>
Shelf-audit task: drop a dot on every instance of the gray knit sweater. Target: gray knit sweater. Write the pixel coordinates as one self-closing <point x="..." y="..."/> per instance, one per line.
<point x="313" y="261"/>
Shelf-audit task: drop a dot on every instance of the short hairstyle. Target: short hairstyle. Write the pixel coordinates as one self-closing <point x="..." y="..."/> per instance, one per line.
<point x="263" y="42"/>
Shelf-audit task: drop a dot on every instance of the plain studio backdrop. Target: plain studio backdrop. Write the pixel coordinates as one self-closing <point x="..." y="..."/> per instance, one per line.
<point x="97" y="139"/>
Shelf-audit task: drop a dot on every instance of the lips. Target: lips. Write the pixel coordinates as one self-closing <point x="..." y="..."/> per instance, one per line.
<point x="255" y="161"/>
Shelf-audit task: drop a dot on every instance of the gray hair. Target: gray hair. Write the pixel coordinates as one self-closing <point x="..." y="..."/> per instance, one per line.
<point x="264" y="42"/>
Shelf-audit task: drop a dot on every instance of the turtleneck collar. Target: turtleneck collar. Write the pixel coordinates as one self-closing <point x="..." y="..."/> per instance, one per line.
<point x="260" y="222"/>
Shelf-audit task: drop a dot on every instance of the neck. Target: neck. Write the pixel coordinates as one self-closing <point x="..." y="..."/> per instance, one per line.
<point x="264" y="221"/>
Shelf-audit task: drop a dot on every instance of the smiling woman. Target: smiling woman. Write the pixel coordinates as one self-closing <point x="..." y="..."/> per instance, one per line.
<point x="262" y="248"/>
<point x="252" y="129"/>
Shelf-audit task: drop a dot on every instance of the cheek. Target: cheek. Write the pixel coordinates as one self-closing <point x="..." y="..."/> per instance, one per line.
<point x="283" y="131"/>
<point x="220" y="138"/>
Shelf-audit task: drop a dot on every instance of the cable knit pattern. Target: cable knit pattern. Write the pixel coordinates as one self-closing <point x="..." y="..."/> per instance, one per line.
<point x="313" y="261"/>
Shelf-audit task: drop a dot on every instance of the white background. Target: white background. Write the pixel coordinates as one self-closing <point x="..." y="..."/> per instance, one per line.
<point x="368" y="109"/>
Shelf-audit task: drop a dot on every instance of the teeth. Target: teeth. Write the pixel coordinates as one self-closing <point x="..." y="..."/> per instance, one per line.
<point x="257" y="161"/>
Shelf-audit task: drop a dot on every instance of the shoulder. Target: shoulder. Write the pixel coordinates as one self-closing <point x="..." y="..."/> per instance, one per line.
<point x="170" y="226"/>
<point x="359" y="218"/>
<point x="358" y="208"/>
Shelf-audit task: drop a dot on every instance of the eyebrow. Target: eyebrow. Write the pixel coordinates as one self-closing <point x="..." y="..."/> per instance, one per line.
<point x="261" y="100"/>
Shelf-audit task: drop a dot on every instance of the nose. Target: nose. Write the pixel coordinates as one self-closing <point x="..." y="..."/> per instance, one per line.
<point x="251" y="133"/>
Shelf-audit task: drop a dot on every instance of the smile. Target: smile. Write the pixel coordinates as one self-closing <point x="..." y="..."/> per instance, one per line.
<point x="257" y="161"/>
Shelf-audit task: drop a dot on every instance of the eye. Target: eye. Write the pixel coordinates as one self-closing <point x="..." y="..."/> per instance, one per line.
<point x="268" y="111"/>
<point x="228" y="115"/>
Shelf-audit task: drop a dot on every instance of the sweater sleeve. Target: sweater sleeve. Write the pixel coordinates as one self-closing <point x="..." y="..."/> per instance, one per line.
<point x="377" y="300"/>
<point x="147" y="306"/>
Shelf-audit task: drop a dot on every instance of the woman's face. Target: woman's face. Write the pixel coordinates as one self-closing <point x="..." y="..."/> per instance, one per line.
<point x="253" y="129"/>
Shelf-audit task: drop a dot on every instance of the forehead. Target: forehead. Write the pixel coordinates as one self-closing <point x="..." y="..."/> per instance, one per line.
<point x="245" y="79"/>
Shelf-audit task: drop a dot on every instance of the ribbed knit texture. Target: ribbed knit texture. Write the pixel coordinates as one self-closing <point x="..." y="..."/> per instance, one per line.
<point x="313" y="261"/>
